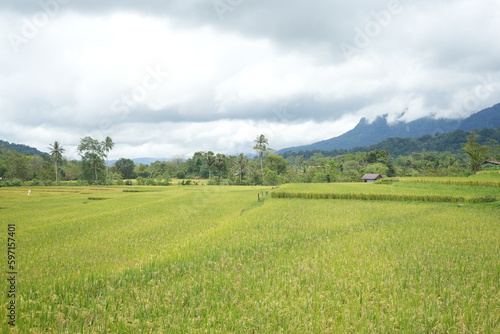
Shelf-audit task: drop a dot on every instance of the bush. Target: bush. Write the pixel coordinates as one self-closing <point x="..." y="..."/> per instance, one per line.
<point x="151" y="182"/>
<point x="271" y="178"/>
<point x="163" y="183"/>
<point x="34" y="183"/>
<point x="13" y="183"/>
<point x="82" y="183"/>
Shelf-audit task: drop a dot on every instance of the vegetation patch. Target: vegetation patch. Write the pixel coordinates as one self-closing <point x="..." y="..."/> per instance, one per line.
<point x="399" y="191"/>
<point x="384" y="197"/>
<point x="97" y="198"/>
<point x="140" y="190"/>
<point x="459" y="181"/>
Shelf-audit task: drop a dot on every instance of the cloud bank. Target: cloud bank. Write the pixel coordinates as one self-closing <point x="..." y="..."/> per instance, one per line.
<point x="170" y="79"/>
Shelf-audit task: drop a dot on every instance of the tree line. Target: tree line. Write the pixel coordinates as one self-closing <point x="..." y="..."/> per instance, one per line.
<point x="264" y="168"/>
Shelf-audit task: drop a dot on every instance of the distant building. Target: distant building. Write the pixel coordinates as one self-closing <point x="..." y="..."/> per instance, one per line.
<point x="369" y="178"/>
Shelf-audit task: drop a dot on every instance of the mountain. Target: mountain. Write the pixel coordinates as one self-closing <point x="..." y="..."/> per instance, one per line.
<point x="487" y="118"/>
<point x="21" y="148"/>
<point x="441" y="142"/>
<point x="366" y="134"/>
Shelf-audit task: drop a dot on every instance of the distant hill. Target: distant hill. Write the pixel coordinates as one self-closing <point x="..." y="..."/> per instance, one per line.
<point x="487" y="118"/>
<point x="366" y="134"/>
<point x="22" y="148"/>
<point x="441" y="142"/>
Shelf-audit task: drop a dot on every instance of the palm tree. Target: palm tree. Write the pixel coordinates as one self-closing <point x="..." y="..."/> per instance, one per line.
<point x="107" y="145"/>
<point x="261" y="148"/>
<point x="219" y="163"/>
<point x="210" y="159"/>
<point x="242" y="163"/>
<point x="56" y="151"/>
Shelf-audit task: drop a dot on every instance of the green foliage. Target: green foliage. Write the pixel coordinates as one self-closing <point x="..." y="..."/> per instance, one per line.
<point x="271" y="178"/>
<point x="56" y="151"/>
<point x="220" y="163"/>
<point x="275" y="163"/>
<point x="23" y="149"/>
<point x="11" y="183"/>
<point x="125" y="167"/>
<point x="92" y="153"/>
<point x="476" y="152"/>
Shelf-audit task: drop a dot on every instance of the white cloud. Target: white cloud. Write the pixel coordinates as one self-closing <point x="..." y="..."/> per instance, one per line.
<point x="174" y="77"/>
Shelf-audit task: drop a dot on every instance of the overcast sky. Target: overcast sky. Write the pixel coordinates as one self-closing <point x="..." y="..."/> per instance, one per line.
<point x="168" y="78"/>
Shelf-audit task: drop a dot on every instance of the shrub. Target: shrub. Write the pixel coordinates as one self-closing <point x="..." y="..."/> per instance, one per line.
<point x="13" y="183"/>
<point x="82" y="183"/>
<point x="141" y="181"/>
<point x="35" y="182"/>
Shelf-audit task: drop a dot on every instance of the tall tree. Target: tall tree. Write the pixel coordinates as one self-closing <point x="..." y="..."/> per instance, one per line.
<point x="107" y="145"/>
<point x="220" y="164"/>
<point x="276" y="163"/>
<point x="476" y="152"/>
<point x="56" y="151"/>
<point x="242" y="162"/>
<point x="92" y="153"/>
<point x="261" y="148"/>
<point x="125" y="167"/>
<point x="210" y="159"/>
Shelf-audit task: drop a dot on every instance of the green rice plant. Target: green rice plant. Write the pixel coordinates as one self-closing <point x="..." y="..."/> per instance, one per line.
<point x="213" y="259"/>
<point x="482" y="180"/>
<point x="392" y="192"/>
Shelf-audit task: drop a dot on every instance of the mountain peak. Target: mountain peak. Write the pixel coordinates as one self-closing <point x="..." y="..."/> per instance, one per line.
<point x="366" y="133"/>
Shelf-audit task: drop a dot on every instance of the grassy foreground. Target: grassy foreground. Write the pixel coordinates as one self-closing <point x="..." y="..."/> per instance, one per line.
<point x="212" y="259"/>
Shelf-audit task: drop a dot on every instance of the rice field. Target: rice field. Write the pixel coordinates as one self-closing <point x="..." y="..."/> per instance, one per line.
<point x="481" y="179"/>
<point x="215" y="259"/>
<point x="398" y="191"/>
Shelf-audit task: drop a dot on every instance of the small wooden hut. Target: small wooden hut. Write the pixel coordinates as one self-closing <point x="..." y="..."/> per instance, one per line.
<point x="369" y="178"/>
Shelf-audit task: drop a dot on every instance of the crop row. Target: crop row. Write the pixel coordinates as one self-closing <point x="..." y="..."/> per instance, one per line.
<point x="448" y="181"/>
<point x="384" y="197"/>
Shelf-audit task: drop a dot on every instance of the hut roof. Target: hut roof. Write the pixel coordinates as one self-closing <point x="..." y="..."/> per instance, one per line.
<point x="371" y="177"/>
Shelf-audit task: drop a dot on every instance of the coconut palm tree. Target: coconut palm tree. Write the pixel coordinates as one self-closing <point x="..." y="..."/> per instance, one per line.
<point x="107" y="145"/>
<point x="220" y="163"/>
<point x="56" y="151"/>
<point x="261" y="148"/>
<point x="241" y="162"/>
<point x="210" y="159"/>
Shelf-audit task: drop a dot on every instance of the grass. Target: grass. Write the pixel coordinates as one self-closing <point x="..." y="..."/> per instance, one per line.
<point x="399" y="191"/>
<point x="213" y="259"/>
<point x="480" y="179"/>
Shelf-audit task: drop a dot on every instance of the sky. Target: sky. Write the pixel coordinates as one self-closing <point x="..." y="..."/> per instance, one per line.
<point x="169" y="78"/>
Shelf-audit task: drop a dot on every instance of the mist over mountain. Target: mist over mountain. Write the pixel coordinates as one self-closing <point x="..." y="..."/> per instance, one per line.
<point x="366" y="134"/>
